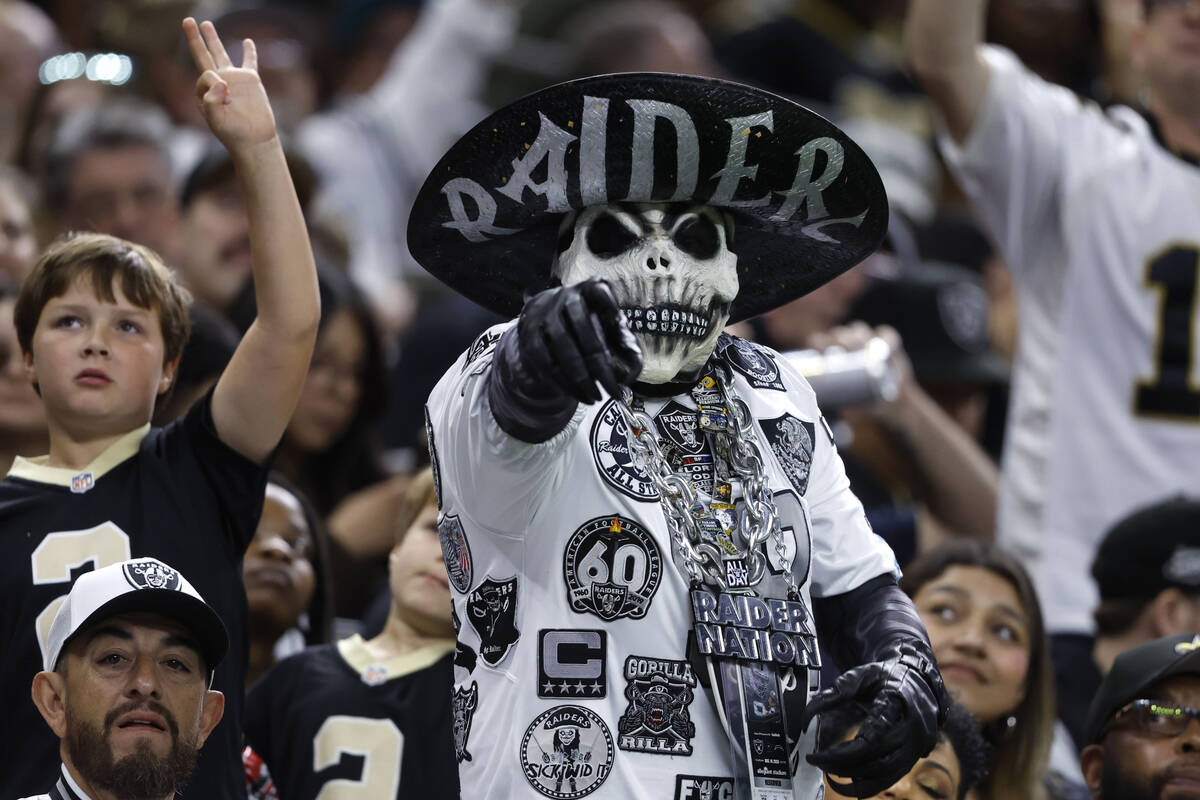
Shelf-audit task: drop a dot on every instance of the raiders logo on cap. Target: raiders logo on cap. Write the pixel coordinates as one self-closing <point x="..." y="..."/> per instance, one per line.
<point x="150" y="574"/>
<point x="463" y="705"/>
<point x="612" y="567"/>
<point x="567" y="752"/>
<point x="610" y="447"/>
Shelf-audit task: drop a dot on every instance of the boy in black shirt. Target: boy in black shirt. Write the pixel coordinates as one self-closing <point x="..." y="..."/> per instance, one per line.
<point x="102" y="324"/>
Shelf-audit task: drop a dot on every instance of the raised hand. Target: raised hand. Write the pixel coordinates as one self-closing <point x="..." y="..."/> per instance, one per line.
<point x="232" y="99"/>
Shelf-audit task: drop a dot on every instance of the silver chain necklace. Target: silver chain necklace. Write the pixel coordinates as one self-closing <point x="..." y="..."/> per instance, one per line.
<point x="684" y="505"/>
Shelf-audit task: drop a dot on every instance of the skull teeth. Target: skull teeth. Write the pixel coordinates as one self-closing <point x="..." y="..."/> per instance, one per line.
<point x="669" y="320"/>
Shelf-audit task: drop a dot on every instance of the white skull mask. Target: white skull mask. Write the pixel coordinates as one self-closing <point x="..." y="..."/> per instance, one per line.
<point x="671" y="271"/>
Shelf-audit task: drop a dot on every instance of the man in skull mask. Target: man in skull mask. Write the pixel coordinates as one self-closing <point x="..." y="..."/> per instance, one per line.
<point x="689" y="527"/>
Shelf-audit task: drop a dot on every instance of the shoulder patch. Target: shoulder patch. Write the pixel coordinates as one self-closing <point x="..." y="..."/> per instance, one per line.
<point x="612" y="568"/>
<point x="755" y="362"/>
<point x="566" y="752"/>
<point x="572" y="663"/>
<point x="485" y="342"/>
<point x="792" y="442"/>
<point x="657" y="719"/>
<point x="610" y="449"/>
<point x="463" y="705"/>
<point x="456" y="552"/>
<point x="492" y="612"/>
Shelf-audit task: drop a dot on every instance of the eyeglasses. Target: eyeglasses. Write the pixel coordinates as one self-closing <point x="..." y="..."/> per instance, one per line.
<point x="1155" y="717"/>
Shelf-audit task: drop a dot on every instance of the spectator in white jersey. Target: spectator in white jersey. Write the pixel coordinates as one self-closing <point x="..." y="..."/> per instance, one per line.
<point x="1148" y="573"/>
<point x="1097" y="214"/>
<point x="126" y="682"/>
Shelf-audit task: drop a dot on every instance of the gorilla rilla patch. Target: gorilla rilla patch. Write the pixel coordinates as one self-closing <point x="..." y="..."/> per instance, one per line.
<point x="657" y="719"/>
<point x="611" y="567"/>
<point x="463" y="705"/>
<point x="610" y="447"/>
<point x="492" y="612"/>
<point x="566" y="752"/>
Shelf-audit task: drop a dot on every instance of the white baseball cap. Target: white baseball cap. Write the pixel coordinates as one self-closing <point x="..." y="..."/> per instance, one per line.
<point x="140" y="584"/>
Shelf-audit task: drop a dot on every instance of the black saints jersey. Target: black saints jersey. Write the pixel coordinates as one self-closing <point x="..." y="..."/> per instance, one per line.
<point x="178" y="494"/>
<point x="332" y="717"/>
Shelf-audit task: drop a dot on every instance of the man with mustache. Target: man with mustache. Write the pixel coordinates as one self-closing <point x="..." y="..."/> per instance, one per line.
<point x="1143" y="726"/>
<point x="128" y="666"/>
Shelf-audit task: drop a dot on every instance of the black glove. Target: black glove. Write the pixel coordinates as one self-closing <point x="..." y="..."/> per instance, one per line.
<point x="905" y="704"/>
<point x="565" y="340"/>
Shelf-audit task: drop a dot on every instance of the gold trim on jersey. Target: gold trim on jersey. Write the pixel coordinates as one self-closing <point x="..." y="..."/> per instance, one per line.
<point x="354" y="651"/>
<point x="35" y="469"/>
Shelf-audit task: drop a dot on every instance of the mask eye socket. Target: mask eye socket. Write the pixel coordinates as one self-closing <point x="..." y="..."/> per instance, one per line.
<point x="698" y="237"/>
<point x="607" y="237"/>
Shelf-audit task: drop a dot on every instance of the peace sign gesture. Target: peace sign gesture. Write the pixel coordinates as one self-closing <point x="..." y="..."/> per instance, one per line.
<point x="232" y="99"/>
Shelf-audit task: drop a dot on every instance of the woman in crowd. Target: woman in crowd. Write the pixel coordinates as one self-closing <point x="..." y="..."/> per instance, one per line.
<point x="286" y="577"/>
<point x="985" y="624"/>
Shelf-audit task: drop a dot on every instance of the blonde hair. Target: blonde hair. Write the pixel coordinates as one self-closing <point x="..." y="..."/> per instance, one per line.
<point x="419" y="496"/>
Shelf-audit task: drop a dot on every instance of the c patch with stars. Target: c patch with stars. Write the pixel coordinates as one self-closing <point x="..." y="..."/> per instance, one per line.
<point x="572" y="663"/>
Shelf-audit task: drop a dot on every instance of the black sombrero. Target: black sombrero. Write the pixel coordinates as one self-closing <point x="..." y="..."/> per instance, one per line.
<point x="809" y="203"/>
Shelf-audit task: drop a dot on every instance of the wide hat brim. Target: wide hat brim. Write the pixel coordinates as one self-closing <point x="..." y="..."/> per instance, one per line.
<point x="807" y="201"/>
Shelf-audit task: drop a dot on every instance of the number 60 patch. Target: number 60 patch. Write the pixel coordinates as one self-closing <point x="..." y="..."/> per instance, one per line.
<point x="612" y="567"/>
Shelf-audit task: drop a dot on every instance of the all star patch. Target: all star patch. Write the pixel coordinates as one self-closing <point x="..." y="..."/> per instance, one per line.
<point x="703" y="787"/>
<point x="566" y="752"/>
<point x="486" y="341"/>
<point x="753" y="361"/>
<point x="492" y="612"/>
<point x="657" y="719"/>
<point x="433" y="460"/>
<point x="463" y="705"/>
<point x="456" y="552"/>
<point x="464" y="655"/>
<point x="572" y="663"/>
<point x="792" y="442"/>
<point x="685" y="446"/>
<point x="612" y="567"/>
<point x="610" y="448"/>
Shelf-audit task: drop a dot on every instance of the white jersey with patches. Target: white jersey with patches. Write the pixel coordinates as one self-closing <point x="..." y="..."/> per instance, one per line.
<point x="572" y="676"/>
<point x="1100" y="226"/>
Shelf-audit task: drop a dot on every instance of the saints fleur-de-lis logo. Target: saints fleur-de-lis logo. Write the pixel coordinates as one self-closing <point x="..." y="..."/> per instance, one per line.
<point x="1188" y="647"/>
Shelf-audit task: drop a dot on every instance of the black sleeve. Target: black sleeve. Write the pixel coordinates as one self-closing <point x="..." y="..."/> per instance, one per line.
<point x="238" y="482"/>
<point x="857" y="626"/>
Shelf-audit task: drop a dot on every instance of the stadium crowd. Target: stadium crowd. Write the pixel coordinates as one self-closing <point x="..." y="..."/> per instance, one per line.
<point x="1009" y="379"/>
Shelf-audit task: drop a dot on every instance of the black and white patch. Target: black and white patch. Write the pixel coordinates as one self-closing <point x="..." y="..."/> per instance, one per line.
<point x="464" y="655"/>
<point x="566" y="752"/>
<point x="433" y="460"/>
<point x="685" y="446"/>
<point x="703" y="787"/>
<point x="610" y="447"/>
<point x="492" y="612"/>
<point x="149" y="573"/>
<point x="754" y="362"/>
<point x="463" y="705"/>
<point x="572" y="663"/>
<point x="657" y="719"/>
<point x="486" y="341"/>
<point x="456" y="552"/>
<point x="792" y="442"/>
<point x="612" y="567"/>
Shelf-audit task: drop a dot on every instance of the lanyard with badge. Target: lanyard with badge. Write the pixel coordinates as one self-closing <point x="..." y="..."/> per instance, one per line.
<point x="751" y="644"/>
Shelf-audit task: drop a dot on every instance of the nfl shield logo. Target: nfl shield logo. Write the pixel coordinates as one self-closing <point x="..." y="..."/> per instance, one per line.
<point x="82" y="482"/>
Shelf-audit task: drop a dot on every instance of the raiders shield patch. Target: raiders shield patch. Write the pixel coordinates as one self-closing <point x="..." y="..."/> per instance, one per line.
<point x="492" y="612"/>
<point x="149" y="573"/>
<point x="462" y="706"/>
<point x="703" y="787"/>
<point x="792" y="442"/>
<point x="567" y="752"/>
<point x="657" y="718"/>
<point x="456" y="552"/>
<point x="486" y="341"/>
<point x="610" y="448"/>
<point x="572" y="663"/>
<point x="612" y="568"/>
<point x="753" y="361"/>
<point x="687" y="449"/>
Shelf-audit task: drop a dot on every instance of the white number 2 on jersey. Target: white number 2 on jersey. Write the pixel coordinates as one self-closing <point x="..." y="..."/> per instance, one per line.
<point x="62" y="551"/>
<point x="378" y="741"/>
